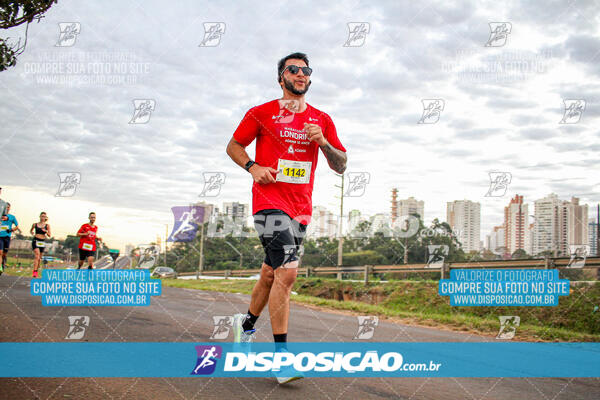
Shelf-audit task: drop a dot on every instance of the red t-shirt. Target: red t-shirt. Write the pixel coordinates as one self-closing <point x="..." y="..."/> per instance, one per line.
<point x="280" y="143"/>
<point x="86" y="241"/>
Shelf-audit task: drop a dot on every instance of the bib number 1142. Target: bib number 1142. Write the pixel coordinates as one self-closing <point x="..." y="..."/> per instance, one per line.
<point x="297" y="172"/>
<point x="294" y="171"/>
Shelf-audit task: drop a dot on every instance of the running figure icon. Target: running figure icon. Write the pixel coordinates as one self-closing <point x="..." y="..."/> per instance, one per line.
<point x="207" y="359"/>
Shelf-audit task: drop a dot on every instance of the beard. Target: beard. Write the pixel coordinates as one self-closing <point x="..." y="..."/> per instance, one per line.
<point x="289" y="85"/>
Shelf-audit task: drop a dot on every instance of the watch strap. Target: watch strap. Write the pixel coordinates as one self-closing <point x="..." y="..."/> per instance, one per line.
<point x="249" y="164"/>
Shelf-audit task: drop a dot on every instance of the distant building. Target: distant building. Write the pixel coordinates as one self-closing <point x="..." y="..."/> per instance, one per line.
<point x="573" y="225"/>
<point x="406" y="207"/>
<point x="546" y="224"/>
<point x="495" y="240"/>
<point x="559" y="224"/>
<point x="464" y="217"/>
<point x="128" y="249"/>
<point x="380" y="222"/>
<point x="394" y="205"/>
<point x="323" y="223"/>
<point x="354" y="218"/>
<point x="237" y="211"/>
<point x="501" y="237"/>
<point x="593" y="237"/>
<point x="529" y="239"/>
<point x="516" y="222"/>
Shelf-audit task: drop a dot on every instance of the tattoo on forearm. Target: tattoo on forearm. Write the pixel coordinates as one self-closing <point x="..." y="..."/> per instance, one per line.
<point x="335" y="158"/>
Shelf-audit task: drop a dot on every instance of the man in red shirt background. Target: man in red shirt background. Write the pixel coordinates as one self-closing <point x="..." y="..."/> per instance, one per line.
<point x="87" y="241"/>
<point x="289" y="133"/>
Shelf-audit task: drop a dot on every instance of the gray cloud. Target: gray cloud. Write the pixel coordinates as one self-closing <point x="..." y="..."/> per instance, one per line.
<point x="372" y="92"/>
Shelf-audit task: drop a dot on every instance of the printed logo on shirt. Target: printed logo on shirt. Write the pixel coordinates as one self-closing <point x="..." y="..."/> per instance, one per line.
<point x="293" y="134"/>
<point x="287" y="110"/>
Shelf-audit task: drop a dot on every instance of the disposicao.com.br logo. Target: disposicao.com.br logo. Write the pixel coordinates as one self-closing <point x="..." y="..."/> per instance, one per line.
<point x="323" y="362"/>
<point x="261" y="359"/>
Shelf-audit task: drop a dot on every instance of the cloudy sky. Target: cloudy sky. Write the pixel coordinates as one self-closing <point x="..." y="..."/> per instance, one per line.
<point x="67" y="108"/>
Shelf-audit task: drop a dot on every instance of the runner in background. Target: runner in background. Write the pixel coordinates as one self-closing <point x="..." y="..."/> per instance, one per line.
<point x="40" y="231"/>
<point x="6" y="229"/>
<point x="87" y="241"/>
<point x="3" y="208"/>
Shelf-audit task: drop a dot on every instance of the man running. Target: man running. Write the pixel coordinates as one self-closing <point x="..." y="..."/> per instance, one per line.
<point x="289" y="133"/>
<point x="2" y="208"/>
<point x="6" y="229"/>
<point x="87" y="241"/>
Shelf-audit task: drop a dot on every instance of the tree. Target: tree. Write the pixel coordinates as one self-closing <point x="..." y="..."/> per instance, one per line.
<point x="438" y="233"/>
<point x="488" y="255"/>
<point x="15" y="13"/>
<point x="71" y="242"/>
<point x="519" y="254"/>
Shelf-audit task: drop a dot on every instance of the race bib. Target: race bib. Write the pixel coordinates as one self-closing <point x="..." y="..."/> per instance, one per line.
<point x="87" y="246"/>
<point x="294" y="171"/>
<point x="4" y="228"/>
<point x="39" y="243"/>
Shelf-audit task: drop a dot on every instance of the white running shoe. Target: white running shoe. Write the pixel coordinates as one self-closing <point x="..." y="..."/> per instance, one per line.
<point x="239" y="335"/>
<point x="287" y="375"/>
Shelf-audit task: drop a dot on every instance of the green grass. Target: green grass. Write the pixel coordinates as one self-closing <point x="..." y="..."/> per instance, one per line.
<point x="21" y="271"/>
<point x="417" y="302"/>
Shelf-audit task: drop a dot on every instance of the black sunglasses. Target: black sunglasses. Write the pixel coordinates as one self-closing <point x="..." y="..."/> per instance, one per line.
<point x="294" y="70"/>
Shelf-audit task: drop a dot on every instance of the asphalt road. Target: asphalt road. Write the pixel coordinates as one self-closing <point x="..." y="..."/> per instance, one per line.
<point x="185" y="315"/>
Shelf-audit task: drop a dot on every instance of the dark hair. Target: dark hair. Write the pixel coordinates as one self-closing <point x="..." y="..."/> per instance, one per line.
<point x="42" y="213"/>
<point x="281" y="63"/>
<point x="8" y="204"/>
<point x="91" y="214"/>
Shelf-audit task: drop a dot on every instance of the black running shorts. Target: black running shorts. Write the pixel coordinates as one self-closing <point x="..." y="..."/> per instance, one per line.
<point x="84" y="254"/>
<point x="280" y="235"/>
<point x="38" y="244"/>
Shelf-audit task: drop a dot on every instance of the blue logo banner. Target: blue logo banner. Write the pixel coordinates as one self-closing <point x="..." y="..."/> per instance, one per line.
<point x="349" y="359"/>
<point x="124" y="287"/>
<point x="503" y="287"/>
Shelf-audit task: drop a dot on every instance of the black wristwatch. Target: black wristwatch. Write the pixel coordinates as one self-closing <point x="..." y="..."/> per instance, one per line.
<point x="248" y="165"/>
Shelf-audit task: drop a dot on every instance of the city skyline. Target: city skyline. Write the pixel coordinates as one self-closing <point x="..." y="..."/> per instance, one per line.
<point x="160" y="232"/>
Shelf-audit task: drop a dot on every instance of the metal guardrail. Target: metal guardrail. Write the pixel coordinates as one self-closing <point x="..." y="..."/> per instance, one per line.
<point x="366" y="270"/>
